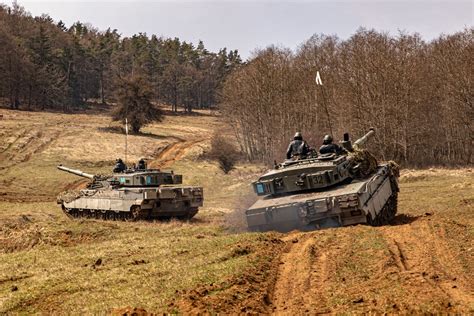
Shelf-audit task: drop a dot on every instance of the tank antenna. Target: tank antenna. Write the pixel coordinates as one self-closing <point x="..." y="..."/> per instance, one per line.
<point x="126" y="140"/>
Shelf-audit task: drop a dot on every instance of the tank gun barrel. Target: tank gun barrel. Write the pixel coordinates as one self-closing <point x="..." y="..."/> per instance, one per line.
<point x="361" y="141"/>
<point x="76" y="172"/>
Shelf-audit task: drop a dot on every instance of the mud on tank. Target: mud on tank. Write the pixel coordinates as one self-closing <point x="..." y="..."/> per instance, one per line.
<point x="326" y="191"/>
<point x="131" y="195"/>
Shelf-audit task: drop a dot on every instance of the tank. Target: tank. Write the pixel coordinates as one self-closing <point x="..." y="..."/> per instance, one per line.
<point x="131" y="195"/>
<point x="324" y="191"/>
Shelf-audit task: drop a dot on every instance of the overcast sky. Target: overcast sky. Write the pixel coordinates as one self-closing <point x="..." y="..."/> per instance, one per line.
<point x="247" y="25"/>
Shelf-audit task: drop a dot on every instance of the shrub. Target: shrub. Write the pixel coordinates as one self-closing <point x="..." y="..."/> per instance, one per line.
<point x="224" y="151"/>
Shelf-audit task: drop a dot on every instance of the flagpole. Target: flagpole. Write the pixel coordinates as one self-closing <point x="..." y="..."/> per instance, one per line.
<point x="319" y="82"/>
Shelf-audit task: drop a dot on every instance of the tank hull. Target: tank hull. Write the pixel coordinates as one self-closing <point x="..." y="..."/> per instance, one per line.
<point x="134" y="203"/>
<point x="372" y="201"/>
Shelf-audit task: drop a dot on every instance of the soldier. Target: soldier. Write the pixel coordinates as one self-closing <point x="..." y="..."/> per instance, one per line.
<point x="119" y="166"/>
<point x="329" y="147"/>
<point x="297" y="148"/>
<point x="141" y="164"/>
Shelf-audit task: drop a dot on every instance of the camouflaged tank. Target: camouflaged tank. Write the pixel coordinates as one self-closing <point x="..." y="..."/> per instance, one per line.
<point x="323" y="191"/>
<point x="131" y="195"/>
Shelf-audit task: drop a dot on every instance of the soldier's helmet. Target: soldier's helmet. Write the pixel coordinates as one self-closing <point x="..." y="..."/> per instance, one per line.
<point x="327" y="139"/>
<point x="298" y="136"/>
<point x="118" y="160"/>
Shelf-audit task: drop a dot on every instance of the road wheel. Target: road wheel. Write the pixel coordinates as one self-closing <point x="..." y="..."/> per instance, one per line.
<point x="135" y="212"/>
<point x="370" y="221"/>
<point x="110" y="215"/>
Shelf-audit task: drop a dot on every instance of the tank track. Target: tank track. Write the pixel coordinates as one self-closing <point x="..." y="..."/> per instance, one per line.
<point x="134" y="215"/>
<point x="387" y="214"/>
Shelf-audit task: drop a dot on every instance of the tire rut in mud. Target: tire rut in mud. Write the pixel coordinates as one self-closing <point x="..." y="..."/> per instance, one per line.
<point x="427" y="266"/>
<point x="408" y="268"/>
<point x="300" y="285"/>
<point x="405" y="268"/>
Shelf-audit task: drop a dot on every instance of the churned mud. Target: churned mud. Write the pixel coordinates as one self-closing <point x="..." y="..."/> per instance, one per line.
<point x="422" y="263"/>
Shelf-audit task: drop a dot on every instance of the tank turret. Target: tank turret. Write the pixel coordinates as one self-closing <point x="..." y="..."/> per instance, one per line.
<point x="129" y="177"/>
<point x="314" y="173"/>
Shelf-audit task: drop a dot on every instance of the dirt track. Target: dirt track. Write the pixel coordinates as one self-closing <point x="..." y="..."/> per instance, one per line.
<point x="413" y="268"/>
<point x="422" y="263"/>
<point x="167" y="155"/>
<point x="410" y="267"/>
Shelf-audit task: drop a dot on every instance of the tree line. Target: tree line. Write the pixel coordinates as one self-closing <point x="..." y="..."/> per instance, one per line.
<point x="46" y="65"/>
<point x="417" y="95"/>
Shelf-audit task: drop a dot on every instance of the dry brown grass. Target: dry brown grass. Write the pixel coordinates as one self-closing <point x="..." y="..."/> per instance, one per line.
<point x="50" y="264"/>
<point x="32" y="144"/>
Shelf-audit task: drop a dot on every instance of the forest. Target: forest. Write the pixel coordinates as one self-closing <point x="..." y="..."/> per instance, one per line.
<point x="417" y="95"/>
<point x="46" y="65"/>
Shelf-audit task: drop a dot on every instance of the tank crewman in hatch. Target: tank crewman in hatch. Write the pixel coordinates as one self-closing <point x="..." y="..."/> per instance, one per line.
<point x="298" y="147"/>
<point x="141" y="164"/>
<point x="329" y="147"/>
<point x="119" y="166"/>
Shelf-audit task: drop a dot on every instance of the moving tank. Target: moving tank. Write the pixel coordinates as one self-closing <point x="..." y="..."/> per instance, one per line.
<point x="324" y="191"/>
<point x="131" y="195"/>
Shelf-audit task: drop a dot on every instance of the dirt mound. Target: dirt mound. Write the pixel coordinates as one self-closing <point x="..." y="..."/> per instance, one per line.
<point x="409" y="268"/>
<point x="23" y="233"/>
<point x="130" y="311"/>
<point x="420" y="265"/>
<point x="18" y="234"/>
<point x="248" y="292"/>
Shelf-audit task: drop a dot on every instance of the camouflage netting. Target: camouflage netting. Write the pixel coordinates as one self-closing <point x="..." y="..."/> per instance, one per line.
<point x="366" y="162"/>
<point x="68" y="196"/>
<point x="395" y="168"/>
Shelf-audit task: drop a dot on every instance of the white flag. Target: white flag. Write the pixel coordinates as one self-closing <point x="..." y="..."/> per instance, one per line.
<point x="126" y="126"/>
<point x="318" y="79"/>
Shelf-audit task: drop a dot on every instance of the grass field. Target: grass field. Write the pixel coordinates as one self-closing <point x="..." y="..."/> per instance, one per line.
<point x="52" y="264"/>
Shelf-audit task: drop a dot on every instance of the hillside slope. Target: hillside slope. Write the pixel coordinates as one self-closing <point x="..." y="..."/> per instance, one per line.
<point x="51" y="264"/>
<point x="422" y="263"/>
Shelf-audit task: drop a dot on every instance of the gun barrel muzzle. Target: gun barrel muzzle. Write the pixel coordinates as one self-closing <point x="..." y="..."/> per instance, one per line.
<point x="361" y="141"/>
